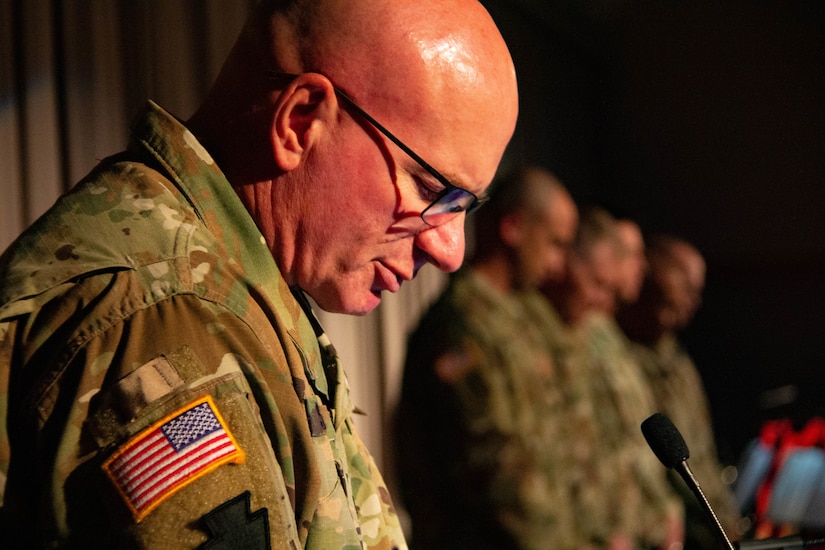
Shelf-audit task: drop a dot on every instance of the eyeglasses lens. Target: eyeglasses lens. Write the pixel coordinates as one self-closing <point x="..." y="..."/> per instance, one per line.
<point x="449" y="205"/>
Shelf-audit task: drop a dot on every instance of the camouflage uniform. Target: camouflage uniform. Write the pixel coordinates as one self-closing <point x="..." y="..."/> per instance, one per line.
<point x="161" y="385"/>
<point x="622" y="400"/>
<point x="589" y="480"/>
<point x="616" y="484"/>
<point x="680" y="394"/>
<point x="470" y="443"/>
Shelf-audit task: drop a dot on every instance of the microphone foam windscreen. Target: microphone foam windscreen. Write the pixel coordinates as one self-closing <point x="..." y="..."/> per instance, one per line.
<point x="665" y="440"/>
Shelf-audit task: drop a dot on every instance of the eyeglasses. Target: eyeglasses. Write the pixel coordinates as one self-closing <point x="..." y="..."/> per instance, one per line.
<point x="450" y="203"/>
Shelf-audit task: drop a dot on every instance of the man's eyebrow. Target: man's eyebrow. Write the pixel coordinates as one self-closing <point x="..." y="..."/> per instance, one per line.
<point x="461" y="183"/>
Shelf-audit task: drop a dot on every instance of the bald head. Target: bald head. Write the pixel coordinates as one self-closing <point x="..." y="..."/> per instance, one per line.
<point x="423" y="62"/>
<point x="430" y="63"/>
<point x="371" y="42"/>
<point x="529" y="190"/>
<point x="338" y="202"/>
<point x="671" y="292"/>
<point x="692" y="262"/>
<point x="678" y="272"/>
<point x="523" y="234"/>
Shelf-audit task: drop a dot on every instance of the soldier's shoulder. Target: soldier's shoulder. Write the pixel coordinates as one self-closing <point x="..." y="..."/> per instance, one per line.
<point x="123" y="215"/>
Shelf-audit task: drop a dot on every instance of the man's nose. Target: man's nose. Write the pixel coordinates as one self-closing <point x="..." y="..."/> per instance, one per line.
<point x="444" y="245"/>
<point x="555" y="264"/>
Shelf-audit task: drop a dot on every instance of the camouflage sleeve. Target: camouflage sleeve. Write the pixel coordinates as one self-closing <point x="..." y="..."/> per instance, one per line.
<point x="144" y="431"/>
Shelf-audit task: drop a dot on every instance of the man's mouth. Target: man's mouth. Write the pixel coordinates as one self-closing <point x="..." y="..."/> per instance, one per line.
<point x="386" y="279"/>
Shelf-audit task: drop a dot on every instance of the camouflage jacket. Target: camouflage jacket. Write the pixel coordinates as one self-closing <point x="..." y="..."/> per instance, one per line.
<point x="623" y="399"/>
<point x="161" y="385"/>
<point x="479" y="466"/>
<point x="587" y="476"/>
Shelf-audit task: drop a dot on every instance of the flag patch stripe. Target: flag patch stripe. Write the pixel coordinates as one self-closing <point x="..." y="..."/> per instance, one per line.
<point x="172" y="453"/>
<point x="189" y="467"/>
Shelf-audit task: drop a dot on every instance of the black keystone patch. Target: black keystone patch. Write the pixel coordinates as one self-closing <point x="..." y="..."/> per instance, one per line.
<point x="233" y="526"/>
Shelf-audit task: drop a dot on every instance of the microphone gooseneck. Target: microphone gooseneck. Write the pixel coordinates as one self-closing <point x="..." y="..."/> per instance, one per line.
<point x="670" y="448"/>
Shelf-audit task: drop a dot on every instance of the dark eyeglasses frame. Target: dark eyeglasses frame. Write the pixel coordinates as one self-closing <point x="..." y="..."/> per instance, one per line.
<point x="449" y="188"/>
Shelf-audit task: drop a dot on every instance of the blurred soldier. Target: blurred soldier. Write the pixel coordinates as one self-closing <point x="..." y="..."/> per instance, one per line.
<point x="668" y="300"/>
<point x="473" y="454"/>
<point x="624" y="500"/>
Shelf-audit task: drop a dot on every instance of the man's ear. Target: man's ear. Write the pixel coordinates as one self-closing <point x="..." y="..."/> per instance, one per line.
<point x="303" y="112"/>
<point x="511" y="228"/>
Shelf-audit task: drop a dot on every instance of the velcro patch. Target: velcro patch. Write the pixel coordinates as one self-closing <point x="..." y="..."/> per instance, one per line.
<point x="169" y="455"/>
<point x="234" y="526"/>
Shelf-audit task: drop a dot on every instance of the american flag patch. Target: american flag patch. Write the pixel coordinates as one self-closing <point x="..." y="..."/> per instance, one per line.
<point x="172" y="453"/>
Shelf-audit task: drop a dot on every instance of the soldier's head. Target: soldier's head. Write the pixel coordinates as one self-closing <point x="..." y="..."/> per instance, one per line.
<point x="358" y="133"/>
<point x="592" y="269"/>
<point x="527" y="227"/>
<point x="671" y="292"/>
<point x="677" y="279"/>
<point x="632" y="262"/>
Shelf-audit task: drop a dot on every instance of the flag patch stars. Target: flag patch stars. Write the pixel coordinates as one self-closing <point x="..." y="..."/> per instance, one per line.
<point x="169" y="455"/>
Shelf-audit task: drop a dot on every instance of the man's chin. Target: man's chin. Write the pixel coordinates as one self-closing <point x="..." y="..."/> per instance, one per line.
<point x="370" y="302"/>
<point x="350" y="304"/>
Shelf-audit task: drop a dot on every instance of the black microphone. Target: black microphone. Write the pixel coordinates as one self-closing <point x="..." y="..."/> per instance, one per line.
<point x="670" y="448"/>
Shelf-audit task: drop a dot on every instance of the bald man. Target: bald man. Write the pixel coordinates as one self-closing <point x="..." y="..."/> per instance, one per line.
<point x="477" y="467"/>
<point x="164" y="382"/>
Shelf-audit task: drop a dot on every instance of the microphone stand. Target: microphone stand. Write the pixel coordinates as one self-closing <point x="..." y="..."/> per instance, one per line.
<point x="669" y="447"/>
<point x="687" y="474"/>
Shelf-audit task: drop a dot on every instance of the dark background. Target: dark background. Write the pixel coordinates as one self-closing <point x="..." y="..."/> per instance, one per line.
<point x="705" y="120"/>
